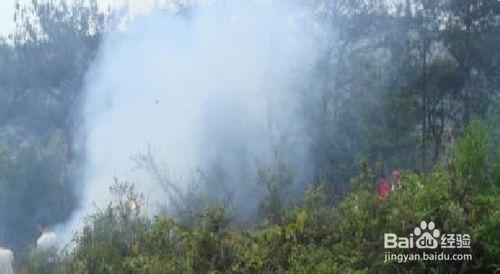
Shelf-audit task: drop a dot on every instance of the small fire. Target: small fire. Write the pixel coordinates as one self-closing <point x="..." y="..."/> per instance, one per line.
<point x="133" y="205"/>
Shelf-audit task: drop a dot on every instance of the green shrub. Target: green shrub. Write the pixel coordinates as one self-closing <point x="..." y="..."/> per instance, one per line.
<point x="311" y="235"/>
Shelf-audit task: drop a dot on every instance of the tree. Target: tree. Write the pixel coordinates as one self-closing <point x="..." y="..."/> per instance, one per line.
<point x="41" y="78"/>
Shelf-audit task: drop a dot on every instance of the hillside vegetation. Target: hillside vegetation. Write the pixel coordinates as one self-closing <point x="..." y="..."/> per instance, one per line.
<point x="408" y="85"/>
<point x="309" y="236"/>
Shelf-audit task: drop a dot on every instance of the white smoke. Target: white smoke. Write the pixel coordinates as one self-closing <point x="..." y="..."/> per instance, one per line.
<point x="212" y="86"/>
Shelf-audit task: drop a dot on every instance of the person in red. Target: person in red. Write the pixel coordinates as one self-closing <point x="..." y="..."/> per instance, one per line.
<point x="383" y="188"/>
<point x="396" y="183"/>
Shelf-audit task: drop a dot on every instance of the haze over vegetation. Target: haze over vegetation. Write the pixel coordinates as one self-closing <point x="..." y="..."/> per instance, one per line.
<point x="248" y="136"/>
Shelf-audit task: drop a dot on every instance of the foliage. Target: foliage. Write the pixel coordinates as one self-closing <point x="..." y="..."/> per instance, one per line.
<point x="275" y="179"/>
<point x="313" y="236"/>
<point x="397" y="86"/>
<point x="41" y="74"/>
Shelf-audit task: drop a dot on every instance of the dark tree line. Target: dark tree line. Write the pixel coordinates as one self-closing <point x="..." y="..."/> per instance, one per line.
<point x="400" y="83"/>
<point x="42" y="66"/>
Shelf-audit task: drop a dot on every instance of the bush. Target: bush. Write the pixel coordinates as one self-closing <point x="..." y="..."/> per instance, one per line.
<point x="309" y="236"/>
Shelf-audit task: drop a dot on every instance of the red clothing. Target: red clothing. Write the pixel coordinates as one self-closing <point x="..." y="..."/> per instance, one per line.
<point x="383" y="188"/>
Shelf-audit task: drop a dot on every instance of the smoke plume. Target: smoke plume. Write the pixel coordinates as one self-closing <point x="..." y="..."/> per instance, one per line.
<point x="207" y="88"/>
